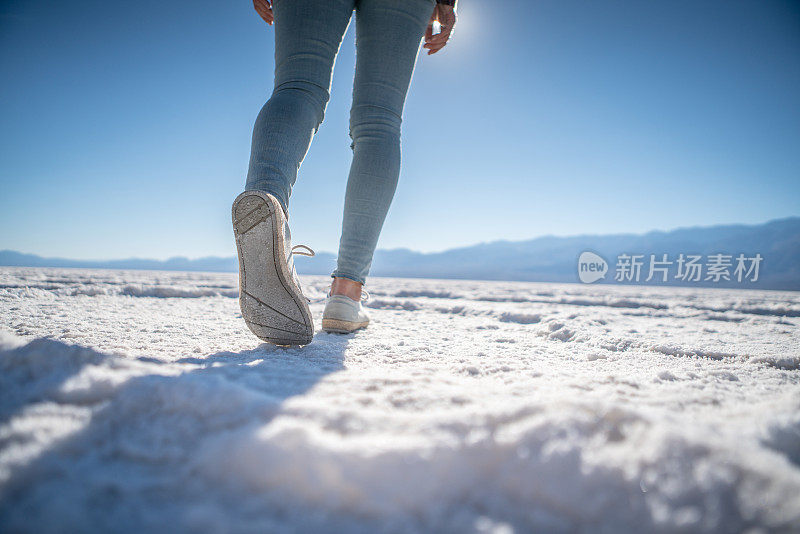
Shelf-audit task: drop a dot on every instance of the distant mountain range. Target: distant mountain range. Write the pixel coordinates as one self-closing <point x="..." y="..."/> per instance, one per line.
<point x="544" y="259"/>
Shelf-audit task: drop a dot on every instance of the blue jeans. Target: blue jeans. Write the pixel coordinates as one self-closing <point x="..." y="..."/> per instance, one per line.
<point x="307" y="37"/>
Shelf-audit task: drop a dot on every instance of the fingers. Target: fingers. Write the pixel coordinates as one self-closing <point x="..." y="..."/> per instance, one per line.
<point x="433" y="49"/>
<point x="264" y="9"/>
<point x="429" y="36"/>
<point x="447" y="20"/>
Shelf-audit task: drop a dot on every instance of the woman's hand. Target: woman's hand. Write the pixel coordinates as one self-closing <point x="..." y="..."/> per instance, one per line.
<point x="264" y="8"/>
<point x="446" y="16"/>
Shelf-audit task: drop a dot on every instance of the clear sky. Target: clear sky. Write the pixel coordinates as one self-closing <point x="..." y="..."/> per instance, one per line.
<point x="125" y="126"/>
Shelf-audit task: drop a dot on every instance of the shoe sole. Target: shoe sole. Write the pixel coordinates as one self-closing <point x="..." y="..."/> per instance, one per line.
<point x="272" y="305"/>
<point x="337" y="326"/>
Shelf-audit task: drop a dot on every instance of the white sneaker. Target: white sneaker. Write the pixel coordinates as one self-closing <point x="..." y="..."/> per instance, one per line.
<point x="272" y="302"/>
<point x="343" y="315"/>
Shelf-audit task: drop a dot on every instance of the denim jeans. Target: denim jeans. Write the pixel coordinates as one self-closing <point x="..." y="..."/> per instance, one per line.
<point x="307" y="37"/>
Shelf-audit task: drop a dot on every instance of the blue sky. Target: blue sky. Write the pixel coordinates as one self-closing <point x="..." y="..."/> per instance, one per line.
<point x="125" y="127"/>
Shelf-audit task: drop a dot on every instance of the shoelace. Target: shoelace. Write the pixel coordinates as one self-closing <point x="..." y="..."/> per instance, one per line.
<point x="309" y="252"/>
<point x="300" y="250"/>
<point x="305" y="250"/>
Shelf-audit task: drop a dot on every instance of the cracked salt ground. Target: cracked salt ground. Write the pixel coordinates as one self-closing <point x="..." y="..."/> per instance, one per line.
<point x="464" y="407"/>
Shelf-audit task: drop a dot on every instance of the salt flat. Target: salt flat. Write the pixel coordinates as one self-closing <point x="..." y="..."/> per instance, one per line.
<point x="135" y="401"/>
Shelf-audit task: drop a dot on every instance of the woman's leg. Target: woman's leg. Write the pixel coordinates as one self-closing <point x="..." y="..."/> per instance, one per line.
<point x="388" y="34"/>
<point x="307" y="38"/>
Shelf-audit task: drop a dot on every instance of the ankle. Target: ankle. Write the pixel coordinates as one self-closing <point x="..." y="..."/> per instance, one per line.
<point x="346" y="287"/>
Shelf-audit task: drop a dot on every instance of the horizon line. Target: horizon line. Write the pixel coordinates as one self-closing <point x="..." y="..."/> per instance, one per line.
<point x="544" y="236"/>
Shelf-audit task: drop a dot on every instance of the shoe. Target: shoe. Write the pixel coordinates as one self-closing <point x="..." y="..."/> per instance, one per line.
<point x="343" y="315"/>
<point x="272" y="302"/>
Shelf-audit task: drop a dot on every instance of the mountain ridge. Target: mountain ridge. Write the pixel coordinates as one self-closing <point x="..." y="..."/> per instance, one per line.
<point x="541" y="259"/>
